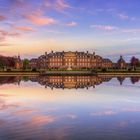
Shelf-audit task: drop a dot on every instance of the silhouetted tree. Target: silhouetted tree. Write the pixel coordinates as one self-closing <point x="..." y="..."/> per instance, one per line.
<point x="7" y="62"/>
<point x="134" y="61"/>
<point x="134" y="80"/>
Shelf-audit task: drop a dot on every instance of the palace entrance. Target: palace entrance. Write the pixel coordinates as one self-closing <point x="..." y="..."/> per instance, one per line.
<point x="69" y="60"/>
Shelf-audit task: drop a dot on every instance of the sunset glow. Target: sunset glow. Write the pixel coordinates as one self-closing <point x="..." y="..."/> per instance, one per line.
<point x="32" y="27"/>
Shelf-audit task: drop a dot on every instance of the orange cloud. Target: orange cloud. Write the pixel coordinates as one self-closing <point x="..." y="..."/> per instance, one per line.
<point x="38" y="19"/>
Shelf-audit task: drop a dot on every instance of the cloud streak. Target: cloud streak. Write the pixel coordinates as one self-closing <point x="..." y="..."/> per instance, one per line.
<point x="24" y="28"/>
<point x="2" y="18"/>
<point x="105" y="27"/>
<point x="58" y="5"/>
<point x="54" y="32"/>
<point x="115" y="28"/>
<point x="134" y="31"/>
<point x="126" y="17"/>
<point x="5" y="34"/>
<point x="72" y="23"/>
<point x="38" y="19"/>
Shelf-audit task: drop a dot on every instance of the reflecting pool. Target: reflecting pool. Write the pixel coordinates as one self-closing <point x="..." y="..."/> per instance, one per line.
<point x="69" y="108"/>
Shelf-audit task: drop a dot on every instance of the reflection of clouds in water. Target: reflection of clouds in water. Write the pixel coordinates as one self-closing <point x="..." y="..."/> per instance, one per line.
<point x="35" y="126"/>
<point x="5" y="86"/>
<point x="71" y="116"/>
<point x="4" y="105"/>
<point x="111" y="112"/>
<point x="104" y="113"/>
<point x="4" y="95"/>
<point x="23" y="112"/>
<point x="131" y="101"/>
<point x="38" y="113"/>
<point x="38" y="120"/>
<point x="125" y="123"/>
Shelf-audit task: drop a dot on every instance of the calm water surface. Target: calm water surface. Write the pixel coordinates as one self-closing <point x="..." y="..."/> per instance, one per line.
<point x="69" y="108"/>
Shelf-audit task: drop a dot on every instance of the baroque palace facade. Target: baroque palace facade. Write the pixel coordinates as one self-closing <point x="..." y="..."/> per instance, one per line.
<point x="70" y="60"/>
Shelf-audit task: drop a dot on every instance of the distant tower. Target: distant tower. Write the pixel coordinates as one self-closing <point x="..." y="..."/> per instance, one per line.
<point x="121" y="63"/>
<point x="18" y="62"/>
<point x="19" y="56"/>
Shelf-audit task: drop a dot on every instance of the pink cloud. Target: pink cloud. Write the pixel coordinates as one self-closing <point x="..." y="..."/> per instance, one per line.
<point x="131" y="30"/>
<point x="104" y="27"/>
<point x="38" y="19"/>
<point x="61" y="4"/>
<point x="72" y="23"/>
<point x="24" y="28"/>
<point x="5" y="34"/>
<point x="2" y="17"/>
<point x="58" y="5"/>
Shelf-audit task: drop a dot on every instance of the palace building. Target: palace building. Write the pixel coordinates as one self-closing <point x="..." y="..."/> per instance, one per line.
<point x="70" y="60"/>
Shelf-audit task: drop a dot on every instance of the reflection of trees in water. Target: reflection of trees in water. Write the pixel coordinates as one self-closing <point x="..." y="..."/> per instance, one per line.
<point x="134" y="80"/>
<point x="10" y="80"/>
<point x="25" y="78"/>
<point x="121" y="79"/>
<point x="65" y="81"/>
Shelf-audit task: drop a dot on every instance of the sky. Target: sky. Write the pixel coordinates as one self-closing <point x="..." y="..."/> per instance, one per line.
<point x="108" y="27"/>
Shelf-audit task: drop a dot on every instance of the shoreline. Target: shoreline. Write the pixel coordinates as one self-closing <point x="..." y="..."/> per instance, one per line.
<point x="19" y="73"/>
<point x="114" y="74"/>
<point x="70" y="73"/>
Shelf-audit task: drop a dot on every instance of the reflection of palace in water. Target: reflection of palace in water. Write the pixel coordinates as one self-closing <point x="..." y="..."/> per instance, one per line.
<point x="65" y="82"/>
<point x="71" y="81"/>
<point x="77" y="82"/>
